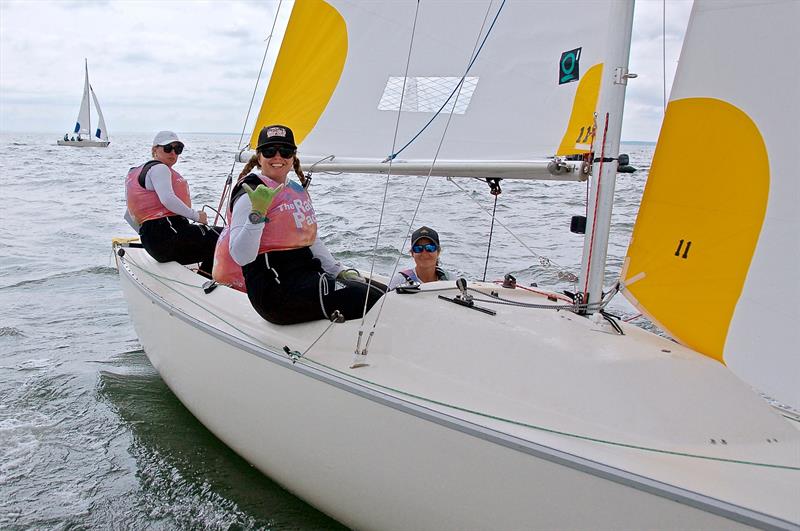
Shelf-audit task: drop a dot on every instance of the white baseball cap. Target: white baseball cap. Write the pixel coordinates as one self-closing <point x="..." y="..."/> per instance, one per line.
<point x="165" y="137"/>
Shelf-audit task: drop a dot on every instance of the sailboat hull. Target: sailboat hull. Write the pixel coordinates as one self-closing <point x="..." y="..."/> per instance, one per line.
<point x="374" y="460"/>
<point x="84" y="143"/>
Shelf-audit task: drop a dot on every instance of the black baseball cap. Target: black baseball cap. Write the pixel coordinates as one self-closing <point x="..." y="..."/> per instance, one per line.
<point x="425" y="232"/>
<point x="278" y="135"/>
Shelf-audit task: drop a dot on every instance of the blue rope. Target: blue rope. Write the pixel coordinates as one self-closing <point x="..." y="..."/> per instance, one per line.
<point x="455" y="90"/>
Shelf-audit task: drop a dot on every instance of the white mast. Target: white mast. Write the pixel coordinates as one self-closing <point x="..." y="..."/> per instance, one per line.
<point x="606" y="151"/>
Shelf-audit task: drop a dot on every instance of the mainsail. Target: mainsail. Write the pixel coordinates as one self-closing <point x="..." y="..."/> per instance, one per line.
<point x="101" y="132"/>
<point x="715" y="252"/>
<point x="340" y="78"/>
<point x="82" y="126"/>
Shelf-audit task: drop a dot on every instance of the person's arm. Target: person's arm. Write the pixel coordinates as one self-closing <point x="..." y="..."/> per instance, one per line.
<point x="159" y="179"/>
<point x="329" y="263"/>
<point x="245" y="236"/>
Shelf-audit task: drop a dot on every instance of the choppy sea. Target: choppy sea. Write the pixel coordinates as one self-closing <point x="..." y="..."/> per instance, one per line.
<point x="90" y="436"/>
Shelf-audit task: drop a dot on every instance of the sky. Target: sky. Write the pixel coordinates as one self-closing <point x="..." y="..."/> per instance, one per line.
<point x="191" y="66"/>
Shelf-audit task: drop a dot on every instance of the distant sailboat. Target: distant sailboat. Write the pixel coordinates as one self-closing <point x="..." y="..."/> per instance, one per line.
<point x="82" y="136"/>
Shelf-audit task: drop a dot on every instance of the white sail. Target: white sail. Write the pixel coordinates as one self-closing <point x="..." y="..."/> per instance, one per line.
<point x="83" y="125"/>
<point x="101" y="132"/>
<point x="715" y="252"/>
<point x="339" y="78"/>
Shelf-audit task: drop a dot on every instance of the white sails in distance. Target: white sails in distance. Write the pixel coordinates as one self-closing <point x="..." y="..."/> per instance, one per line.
<point x="83" y="134"/>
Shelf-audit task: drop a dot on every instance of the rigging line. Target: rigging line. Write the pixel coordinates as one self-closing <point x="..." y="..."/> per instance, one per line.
<point x="538" y="256"/>
<point x="164" y="281"/>
<point x="596" y="202"/>
<point x="458" y="86"/>
<point x="348" y="376"/>
<point x="588" y="438"/>
<point x="388" y="175"/>
<point x="489" y="246"/>
<point x="430" y="171"/>
<point x="249" y="108"/>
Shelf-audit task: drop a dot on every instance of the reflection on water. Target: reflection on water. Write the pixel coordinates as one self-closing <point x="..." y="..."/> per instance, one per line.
<point x="186" y="476"/>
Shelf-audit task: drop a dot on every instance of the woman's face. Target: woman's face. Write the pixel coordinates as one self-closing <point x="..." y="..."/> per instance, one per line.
<point x="425" y="257"/>
<point x="169" y="158"/>
<point x="276" y="166"/>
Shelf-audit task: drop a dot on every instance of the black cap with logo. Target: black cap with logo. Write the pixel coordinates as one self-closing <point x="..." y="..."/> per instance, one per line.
<point x="279" y="135"/>
<point x="425" y="232"/>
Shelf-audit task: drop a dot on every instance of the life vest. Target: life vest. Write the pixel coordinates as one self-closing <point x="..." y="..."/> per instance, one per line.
<point x="411" y="274"/>
<point x="292" y="224"/>
<point x="143" y="204"/>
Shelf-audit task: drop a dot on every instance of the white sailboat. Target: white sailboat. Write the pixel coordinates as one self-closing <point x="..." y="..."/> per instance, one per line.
<point x="541" y="416"/>
<point x="82" y="135"/>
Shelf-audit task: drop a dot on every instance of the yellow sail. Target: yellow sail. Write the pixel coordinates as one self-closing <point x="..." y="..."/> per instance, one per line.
<point x="580" y="131"/>
<point x="698" y="224"/>
<point x="309" y="64"/>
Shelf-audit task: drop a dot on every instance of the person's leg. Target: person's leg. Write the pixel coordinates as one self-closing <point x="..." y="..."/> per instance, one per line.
<point x="347" y="296"/>
<point x="196" y="244"/>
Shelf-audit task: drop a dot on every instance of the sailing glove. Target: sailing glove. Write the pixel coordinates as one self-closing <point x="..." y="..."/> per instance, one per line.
<point x="261" y="197"/>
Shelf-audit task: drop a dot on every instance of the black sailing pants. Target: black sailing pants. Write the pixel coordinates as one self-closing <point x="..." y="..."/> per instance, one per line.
<point x="295" y="289"/>
<point x="174" y="239"/>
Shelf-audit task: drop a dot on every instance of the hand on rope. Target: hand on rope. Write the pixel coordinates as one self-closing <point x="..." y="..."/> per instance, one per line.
<point x="261" y="197"/>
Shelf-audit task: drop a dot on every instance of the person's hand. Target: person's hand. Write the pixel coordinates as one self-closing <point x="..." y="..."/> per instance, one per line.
<point x="348" y="274"/>
<point x="203" y="217"/>
<point x="261" y="197"/>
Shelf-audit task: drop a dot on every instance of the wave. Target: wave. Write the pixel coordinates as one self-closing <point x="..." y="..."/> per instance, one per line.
<point x="93" y="270"/>
<point x="11" y="331"/>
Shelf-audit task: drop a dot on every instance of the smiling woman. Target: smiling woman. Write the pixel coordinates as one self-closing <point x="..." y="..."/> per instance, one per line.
<point x="288" y="273"/>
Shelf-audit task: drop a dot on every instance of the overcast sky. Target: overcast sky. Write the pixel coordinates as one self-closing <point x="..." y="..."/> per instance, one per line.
<point x="190" y="66"/>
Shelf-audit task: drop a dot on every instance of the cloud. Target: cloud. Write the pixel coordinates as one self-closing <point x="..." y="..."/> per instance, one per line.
<point x="196" y="61"/>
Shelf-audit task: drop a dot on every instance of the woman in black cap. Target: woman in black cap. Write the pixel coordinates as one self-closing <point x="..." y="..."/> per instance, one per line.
<point x="160" y="208"/>
<point x="425" y="250"/>
<point x="289" y="275"/>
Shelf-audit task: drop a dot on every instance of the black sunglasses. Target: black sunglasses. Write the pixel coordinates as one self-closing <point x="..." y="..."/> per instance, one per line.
<point x="169" y="147"/>
<point x="285" y="151"/>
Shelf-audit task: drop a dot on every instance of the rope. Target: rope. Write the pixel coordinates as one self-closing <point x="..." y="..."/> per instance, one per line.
<point x="596" y="202"/>
<point x="249" y="108"/>
<point x="422" y="194"/>
<point x="543" y="260"/>
<point x="457" y="87"/>
<point x="388" y="175"/>
<point x="489" y="246"/>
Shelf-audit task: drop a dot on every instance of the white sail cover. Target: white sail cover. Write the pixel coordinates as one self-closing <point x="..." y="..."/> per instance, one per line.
<point x="339" y="78"/>
<point x="82" y="126"/>
<point x="715" y="253"/>
<point x="101" y="131"/>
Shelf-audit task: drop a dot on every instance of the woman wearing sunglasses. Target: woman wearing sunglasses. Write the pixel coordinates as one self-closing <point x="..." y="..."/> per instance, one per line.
<point x="160" y="208"/>
<point x="425" y="250"/>
<point x="288" y="273"/>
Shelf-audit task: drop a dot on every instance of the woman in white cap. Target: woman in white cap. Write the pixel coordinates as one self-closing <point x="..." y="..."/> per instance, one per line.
<point x="161" y="207"/>
<point x="425" y="250"/>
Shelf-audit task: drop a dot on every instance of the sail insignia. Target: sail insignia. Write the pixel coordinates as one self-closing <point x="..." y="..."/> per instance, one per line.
<point x="579" y="135"/>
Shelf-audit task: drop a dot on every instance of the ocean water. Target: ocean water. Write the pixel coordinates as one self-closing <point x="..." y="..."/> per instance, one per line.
<point x="90" y="436"/>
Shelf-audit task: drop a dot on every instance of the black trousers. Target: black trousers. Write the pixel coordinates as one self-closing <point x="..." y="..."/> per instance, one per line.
<point x="174" y="239"/>
<point x="295" y="289"/>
